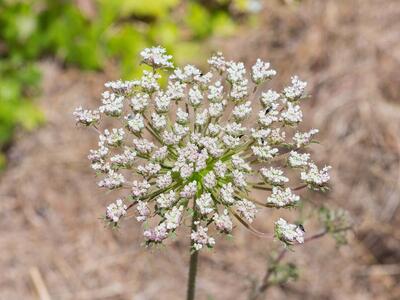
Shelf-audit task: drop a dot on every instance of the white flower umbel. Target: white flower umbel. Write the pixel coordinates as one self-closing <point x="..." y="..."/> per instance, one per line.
<point x="223" y="222"/>
<point x="314" y="177"/>
<point x="261" y="71"/>
<point x="115" y="211"/>
<point x="143" y="211"/>
<point x="305" y="138"/>
<point x="296" y="90"/>
<point x="201" y="238"/>
<point x="274" y="176"/>
<point x="194" y="146"/>
<point x="288" y="233"/>
<point x="86" y="117"/>
<point x="156" y="57"/>
<point x="282" y="197"/>
<point x="205" y="204"/>
<point x="298" y="159"/>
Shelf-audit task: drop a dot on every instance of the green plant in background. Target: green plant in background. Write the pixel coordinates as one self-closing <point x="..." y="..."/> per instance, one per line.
<point x="19" y="77"/>
<point x="118" y="29"/>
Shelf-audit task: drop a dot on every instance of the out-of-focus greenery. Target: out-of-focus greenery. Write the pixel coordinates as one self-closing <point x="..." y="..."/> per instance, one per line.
<point x="114" y="29"/>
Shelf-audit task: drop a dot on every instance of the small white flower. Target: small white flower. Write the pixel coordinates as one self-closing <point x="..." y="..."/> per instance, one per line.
<point x="236" y="71"/>
<point x="282" y="197"/>
<point x="227" y="191"/>
<point x="201" y="160"/>
<point x="298" y="159"/>
<point x="223" y="222"/>
<point x="158" y="121"/>
<point x="217" y="61"/>
<point x="181" y="130"/>
<point x="220" y="169"/>
<point x="268" y="98"/>
<point x="230" y="141"/>
<point x="261" y="71"/>
<point x="162" y="102"/>
<point x="139" y="102"/>
<point x="205" y="204"/>
<point x="156" y="57"/>
<point x="296" y="90"/>
<point x="164" y="181"/>
<point x="242" y="111"/>
<point x="188" y="74"/>
<point x="304" y="138"/>
<point x="112" y="181"/>
<point x="140" y="188"/>
<point x="215" y="92"/>
<point x="276" y="137"/>
<point x="260" y="135"/>
<point x="149" y="170"/>
<point x="189" y="190"/>
<point x="264" y="152"/>
<point x="173" y="217"/>
<point x="210" y="180"/>
<point x="235" y="129"/>
<point x="269" y="116"/>
<point x="181" y="116"/>
<point x="273" y="176"/>
<point x="161" y="154"/>
<point x="156" y="235"/>
<point x="125" y="159"/>
<point x="200" y="238"/>
<point x="176" y="90"/>
<point x="246" y="209"/>
<point x="214" y="129"/>
<point x="86" y="117"/>
<point x="288" y="233"/>
<point x="143" y="146"/>
<point x="293" y="114"/>
<point x="240" y="164"/>
<point x="135" y="123"/>
<point x="149" y="83"/>
<point x="239" y="91"/>
<point x="166" y="200"/>
<point x="143" y="211"/>
<point x="113" y="138"/>
<point x="216" y="109"/>
<point x="121" y="87"/>
<point x="112" y="104"/>
<point x="116" y="210"/>
<point x="170" y="138"/>
<point x="201" y="118"/>
<point x="195" y="96"/>
<point x="239" y="178"/>
<point x="314" y="176"/>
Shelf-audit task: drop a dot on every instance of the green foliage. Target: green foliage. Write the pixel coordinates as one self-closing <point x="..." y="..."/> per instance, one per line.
<point x="281" y="272"/>
<point x="336" y="223"/>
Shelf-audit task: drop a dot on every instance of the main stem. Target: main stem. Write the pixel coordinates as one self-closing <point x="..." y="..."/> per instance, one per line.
<point x="192" y="275"/>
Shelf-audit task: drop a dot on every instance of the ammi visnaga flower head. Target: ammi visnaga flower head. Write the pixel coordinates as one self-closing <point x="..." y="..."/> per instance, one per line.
<point x="199" y="147"/>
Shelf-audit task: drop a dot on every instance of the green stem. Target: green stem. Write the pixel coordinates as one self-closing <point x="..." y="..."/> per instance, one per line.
<point x="191" y="286"/>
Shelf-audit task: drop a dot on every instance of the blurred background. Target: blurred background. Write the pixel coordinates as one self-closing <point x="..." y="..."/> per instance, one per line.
<point x="56" y="55"/>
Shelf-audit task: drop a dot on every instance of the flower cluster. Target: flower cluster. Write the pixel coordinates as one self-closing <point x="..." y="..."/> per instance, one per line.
<point x="189" y="149"/>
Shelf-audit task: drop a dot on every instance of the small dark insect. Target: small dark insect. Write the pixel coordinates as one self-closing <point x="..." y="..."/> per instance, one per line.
<point x="262" y="141"/>
<point x="268" y="110"/>
<point x="301" y="227"/>
<point x="240" y="136"/>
